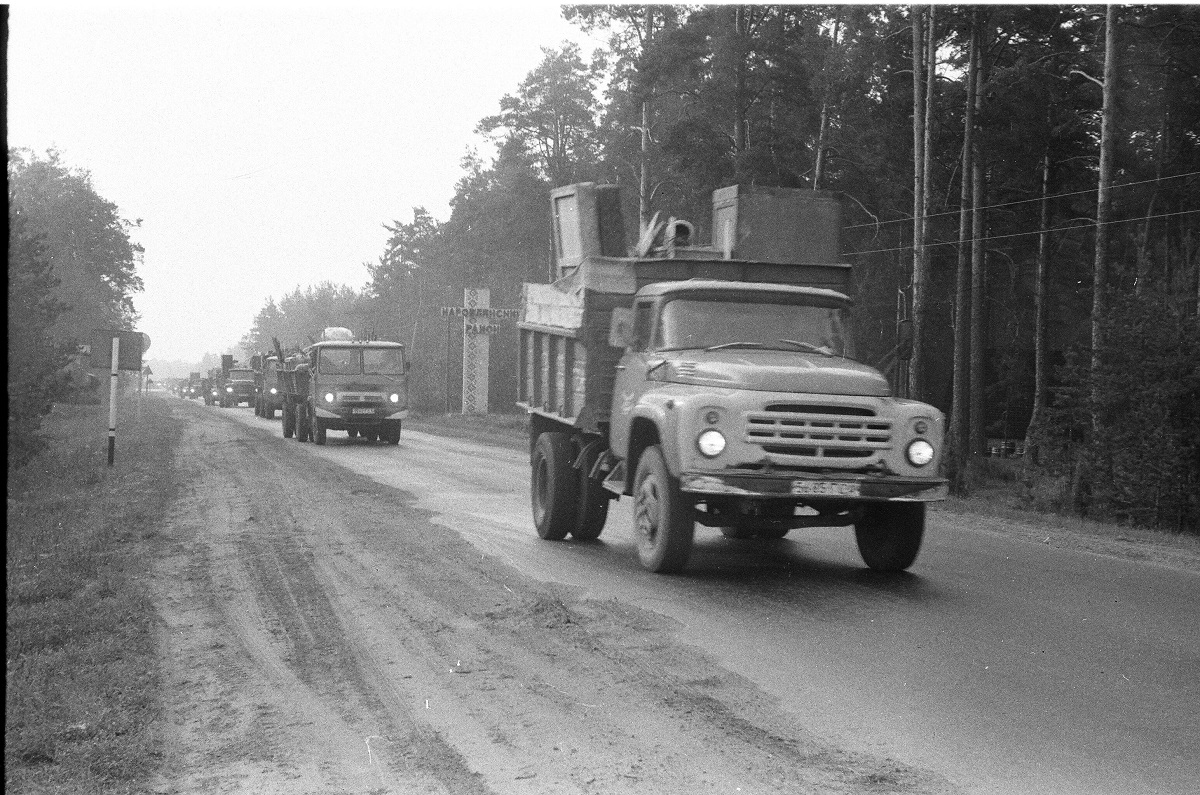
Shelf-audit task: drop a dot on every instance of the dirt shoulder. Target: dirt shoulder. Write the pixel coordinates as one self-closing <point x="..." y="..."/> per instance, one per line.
<point x="320" y="634"/>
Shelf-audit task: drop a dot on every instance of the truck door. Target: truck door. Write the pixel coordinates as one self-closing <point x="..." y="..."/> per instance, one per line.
<point x="631" y="381"/>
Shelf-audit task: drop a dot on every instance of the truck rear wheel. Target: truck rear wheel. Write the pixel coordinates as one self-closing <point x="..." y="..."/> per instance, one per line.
<point x="391" y="433"/>
<point x="593" y="502"/>
<point x="302" y="425"/>
<point x="663" y="520"/>
<point x="289" y="422"/>
<point x="554" y="486"/>
<point x="319" y="431"/>
<point x="889" y="534"/>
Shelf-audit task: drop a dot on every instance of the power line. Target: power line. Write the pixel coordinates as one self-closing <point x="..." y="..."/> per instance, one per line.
<point x="1089" y="225"/>
<point x="908" y="219"/>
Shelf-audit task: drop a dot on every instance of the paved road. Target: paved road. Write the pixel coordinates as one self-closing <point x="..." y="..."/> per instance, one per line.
<point x="1005" y="665"/>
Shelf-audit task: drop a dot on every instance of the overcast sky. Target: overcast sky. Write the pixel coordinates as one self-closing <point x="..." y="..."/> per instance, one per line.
<point x="263" y="145"/>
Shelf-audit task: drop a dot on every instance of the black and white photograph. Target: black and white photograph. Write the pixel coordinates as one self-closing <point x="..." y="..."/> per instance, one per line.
<point x="515" y="398"/>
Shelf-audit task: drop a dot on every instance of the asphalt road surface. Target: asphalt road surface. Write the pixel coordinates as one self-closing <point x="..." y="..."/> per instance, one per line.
<point x="998" y="663"/>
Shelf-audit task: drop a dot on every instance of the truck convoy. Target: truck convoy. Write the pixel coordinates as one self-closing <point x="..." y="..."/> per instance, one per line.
<point x="715" y="384"/>
<point x="343" y="384"/>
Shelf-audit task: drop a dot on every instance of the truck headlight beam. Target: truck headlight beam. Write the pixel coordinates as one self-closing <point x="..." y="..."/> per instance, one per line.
<point x="710" y="443"/>
<point x="919" y="452"/>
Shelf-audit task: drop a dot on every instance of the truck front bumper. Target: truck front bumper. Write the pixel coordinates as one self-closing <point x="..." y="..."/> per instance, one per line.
<point x="851" y="488"/>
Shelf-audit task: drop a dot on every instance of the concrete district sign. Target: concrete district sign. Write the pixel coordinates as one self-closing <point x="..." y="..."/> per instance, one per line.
<point x="477" y="315"/>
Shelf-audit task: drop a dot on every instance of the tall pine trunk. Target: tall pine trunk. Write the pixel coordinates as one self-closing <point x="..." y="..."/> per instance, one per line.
<point x="921" y="253"/>
<point x="918" y="124"/>
<point x="958" y="435"/>
<point x="1033" y="432"/>
<point x="978" y="430"/>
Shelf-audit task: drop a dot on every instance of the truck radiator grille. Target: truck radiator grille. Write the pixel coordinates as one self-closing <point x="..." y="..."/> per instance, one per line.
<point x="818" y="431"/>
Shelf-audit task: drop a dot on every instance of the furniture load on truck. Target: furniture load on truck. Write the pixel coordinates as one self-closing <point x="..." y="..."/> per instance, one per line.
<point x="715" y="384"/>
<point x="343" y="384"/>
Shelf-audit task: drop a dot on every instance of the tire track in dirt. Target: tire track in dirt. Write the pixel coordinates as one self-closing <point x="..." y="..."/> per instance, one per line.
<point x="357" y="617"/>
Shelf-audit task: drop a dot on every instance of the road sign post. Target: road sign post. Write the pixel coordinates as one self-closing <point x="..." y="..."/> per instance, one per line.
<point x="477" y="315"/>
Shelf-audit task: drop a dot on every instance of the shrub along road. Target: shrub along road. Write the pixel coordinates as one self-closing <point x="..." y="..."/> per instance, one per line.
<point x="322" y="634"/>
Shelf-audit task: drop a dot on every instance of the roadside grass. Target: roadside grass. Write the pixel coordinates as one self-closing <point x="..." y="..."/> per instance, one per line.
<point x="82" y="683"/>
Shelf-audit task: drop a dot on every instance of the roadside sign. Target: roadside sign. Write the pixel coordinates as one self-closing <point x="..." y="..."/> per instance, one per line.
<point x="129" y="356"/>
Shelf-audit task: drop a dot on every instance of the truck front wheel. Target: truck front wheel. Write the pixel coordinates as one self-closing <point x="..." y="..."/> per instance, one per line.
<point x="554" y="486"/>
<point x="663" y="519"/>
<point x="889" y="534"/>
<point x="289" y="421"/>
<point x="319" y="431"/>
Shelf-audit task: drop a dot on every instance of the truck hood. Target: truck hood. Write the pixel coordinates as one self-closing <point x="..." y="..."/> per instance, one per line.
<point x="774" y="371"/>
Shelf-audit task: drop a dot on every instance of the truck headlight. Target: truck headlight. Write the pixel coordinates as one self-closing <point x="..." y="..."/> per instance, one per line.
<point x="394" y="397"/>
<point x="710" y="443"/>
<point x="274" y="391"/>
<point x="328" y="397"/>
<point x="228" y="389"/>
<point x="920" y="453"/>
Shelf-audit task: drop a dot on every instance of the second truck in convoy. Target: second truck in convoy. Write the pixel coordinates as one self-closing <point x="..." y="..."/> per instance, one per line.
<point x="715" y="384"/>
<point x="343" y="384"/>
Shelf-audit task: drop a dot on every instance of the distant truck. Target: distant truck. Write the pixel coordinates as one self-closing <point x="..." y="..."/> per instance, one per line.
<point x="268" y="396"/>
<point x="343" y="384"/>
<point x="238" y="387"/>
<point x="715" y="384"/>
<point x="192" y="388"/>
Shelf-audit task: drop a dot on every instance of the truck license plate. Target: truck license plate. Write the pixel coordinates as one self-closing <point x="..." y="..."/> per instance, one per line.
<point x="817" y="488"/>
<point x="362" y="411"/>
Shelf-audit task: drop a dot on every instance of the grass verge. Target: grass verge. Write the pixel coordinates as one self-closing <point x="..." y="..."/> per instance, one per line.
<point x="82" y="683"/>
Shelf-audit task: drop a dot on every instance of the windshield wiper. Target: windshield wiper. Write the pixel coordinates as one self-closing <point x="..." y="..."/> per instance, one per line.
<point x="808" y="347"/>
<point x="735" y="345"/>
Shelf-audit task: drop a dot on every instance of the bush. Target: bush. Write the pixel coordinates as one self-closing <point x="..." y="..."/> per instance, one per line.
<point x="1143" y="464"/>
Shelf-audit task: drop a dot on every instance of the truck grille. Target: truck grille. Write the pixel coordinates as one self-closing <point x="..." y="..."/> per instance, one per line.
<point x="818" y="431"/>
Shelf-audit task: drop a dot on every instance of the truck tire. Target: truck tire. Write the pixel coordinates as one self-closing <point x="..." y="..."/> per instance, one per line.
<point x="663" y="518"/>
<point x="554" y="486"/>
<point x="889" y="534"/>
<point x="593" y="502"/>
<point x="302" y="424"/>
<point x="268" y="412"/>
<point x="352" y="433"/>
<point x="319" y="431"/>
<point x="288" y="422"/>
<point x="391" y="434"/>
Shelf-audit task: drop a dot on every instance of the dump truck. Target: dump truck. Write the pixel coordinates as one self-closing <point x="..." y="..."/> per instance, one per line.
<point x="343" y="384"/>
<point x="715" y="385"/>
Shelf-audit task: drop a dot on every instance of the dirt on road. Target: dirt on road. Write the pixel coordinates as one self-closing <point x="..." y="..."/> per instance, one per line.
<point x="321" y="635"/>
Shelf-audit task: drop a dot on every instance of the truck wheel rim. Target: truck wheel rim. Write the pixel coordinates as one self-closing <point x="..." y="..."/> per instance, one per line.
<point x="540" y="477"/>
<point x="646" y="517"/>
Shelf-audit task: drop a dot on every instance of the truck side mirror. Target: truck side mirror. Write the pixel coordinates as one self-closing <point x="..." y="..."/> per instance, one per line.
<point x="620" y="329"/>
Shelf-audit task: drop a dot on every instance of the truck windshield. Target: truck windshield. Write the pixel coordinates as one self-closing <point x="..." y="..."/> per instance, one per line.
<point x="768" y="323"/>
<point x="383" y="361"/>
<point x="372" y="361"/>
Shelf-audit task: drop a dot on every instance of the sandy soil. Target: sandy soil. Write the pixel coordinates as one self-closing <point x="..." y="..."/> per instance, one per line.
<point x="320" y="635"/>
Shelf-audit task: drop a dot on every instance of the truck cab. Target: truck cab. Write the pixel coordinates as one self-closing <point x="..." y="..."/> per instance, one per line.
<point x="360" y="387"/>
<point x="238" y="387"/>
<point x="268" y="397"/>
